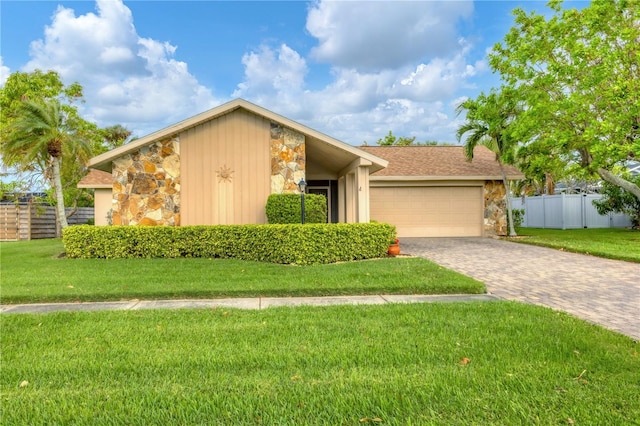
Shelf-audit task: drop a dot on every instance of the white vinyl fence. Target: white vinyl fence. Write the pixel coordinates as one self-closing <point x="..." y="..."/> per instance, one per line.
<point x="566" y="211"/>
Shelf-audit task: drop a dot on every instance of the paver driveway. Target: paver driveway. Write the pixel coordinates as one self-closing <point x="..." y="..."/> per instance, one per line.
<point x="605" y="292"/>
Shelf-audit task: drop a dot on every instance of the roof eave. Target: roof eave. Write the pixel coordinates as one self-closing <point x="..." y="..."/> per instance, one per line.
<point x="103" y="161"/>
<point x="443" y="177"/>
<point x="95" y="185"/>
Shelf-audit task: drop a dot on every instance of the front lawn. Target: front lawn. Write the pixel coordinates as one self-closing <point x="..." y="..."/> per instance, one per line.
<point x="32" y="272"/>
<point x="497" y="363"/>
<point x="612" y="243"/>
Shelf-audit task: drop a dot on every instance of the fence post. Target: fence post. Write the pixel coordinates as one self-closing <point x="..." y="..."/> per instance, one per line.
<point x="562" y="210"/>
<point x="583" y="211"/>
<point x="29" y="212"/>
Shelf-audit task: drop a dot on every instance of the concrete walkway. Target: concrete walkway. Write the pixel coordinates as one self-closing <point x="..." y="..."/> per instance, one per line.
<point x="602" y="291"/>
<point x="241" y="303"/>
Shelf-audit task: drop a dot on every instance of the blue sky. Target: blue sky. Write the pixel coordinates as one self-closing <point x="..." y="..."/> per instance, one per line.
<point x="351" y="69"/>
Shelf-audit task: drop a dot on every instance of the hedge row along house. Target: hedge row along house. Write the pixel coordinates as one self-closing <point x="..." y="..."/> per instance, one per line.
<point x="220" y="166"/>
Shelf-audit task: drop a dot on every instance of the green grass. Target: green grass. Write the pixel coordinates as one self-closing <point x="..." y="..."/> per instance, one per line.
<point x="496" y="363"/>
<point x="612" y="243"/>
<point x="32" y="272"/>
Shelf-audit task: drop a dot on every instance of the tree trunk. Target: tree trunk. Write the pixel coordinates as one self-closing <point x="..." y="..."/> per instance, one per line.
<point x="618" y="181"/>
<point x="512" y="228"/>
<point x="549" y="183"/>
<point x="57" y="188"/>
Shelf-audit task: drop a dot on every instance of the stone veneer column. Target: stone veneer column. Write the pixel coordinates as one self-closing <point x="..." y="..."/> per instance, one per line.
<point x="495" y="208"/>
<point x="146" y="189"/>
<point x="288" y="159"/>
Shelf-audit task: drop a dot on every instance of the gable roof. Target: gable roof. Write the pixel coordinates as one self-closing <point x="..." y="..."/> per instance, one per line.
<point x="96" y="179"/>
<point x="325" y="144"/>
<point x="437" y="163"/>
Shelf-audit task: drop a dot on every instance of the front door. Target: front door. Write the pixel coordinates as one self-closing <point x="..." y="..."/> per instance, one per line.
<point x="324" y="191"/>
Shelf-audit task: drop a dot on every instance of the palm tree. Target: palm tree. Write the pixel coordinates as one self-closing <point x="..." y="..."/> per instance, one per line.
<point x="39" y="135"/>
<point x="487" y="120"/>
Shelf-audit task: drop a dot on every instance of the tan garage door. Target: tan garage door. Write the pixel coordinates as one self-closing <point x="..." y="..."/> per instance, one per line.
<point x="430" y="211"/>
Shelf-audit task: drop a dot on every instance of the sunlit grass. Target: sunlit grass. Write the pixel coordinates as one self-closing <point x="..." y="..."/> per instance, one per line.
<point x="612" y="243"/>
<point x="32" y="272"/>
<point x="490" y="363"/>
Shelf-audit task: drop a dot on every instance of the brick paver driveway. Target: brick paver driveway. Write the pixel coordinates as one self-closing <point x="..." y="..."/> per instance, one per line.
<point x="605" y="292"/>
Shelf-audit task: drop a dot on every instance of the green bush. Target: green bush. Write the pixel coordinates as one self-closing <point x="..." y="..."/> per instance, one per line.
<point x="283" y="243"/>
<point x="518" y="217"/>
<point x="286" y="208"/>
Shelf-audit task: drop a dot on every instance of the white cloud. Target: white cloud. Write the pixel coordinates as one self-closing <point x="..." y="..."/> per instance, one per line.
<point x="274" y="78"/>
<point x="376" y="35"/>
<point x="128" y="79"/>
<point x="358" y="106"/>
<point x="4" y="73"/>
<point x="394" y="66"/>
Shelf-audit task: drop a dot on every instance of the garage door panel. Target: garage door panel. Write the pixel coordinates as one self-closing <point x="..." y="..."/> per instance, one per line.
<point x="429" y="211"/>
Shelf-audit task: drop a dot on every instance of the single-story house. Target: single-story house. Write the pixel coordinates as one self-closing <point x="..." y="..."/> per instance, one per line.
<point x="220" y="166"/>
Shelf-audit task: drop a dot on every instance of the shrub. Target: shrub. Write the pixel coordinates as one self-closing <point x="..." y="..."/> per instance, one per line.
<point x="518" y="217"/>
<point x="286" y="208"/>
<point x="283" y="243"/>
<point x="617" y="200"/>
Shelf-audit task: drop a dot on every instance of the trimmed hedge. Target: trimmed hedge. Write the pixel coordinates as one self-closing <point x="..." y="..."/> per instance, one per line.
<point x="287" y="244"/>
<point x="286" y="208"/>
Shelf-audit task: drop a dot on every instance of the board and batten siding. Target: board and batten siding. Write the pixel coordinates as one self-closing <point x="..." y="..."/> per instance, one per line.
<point x="225" y="170"/>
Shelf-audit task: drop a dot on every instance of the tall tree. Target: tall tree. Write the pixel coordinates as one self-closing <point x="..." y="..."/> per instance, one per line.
<point x="39" y="134"/>
<point x="578" y="80"/>
<point x="42" y="86"/>
<point x="487" y="121"/>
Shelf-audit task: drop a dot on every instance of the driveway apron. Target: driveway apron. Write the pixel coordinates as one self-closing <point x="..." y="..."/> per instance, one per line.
<point x="602" y="291"/>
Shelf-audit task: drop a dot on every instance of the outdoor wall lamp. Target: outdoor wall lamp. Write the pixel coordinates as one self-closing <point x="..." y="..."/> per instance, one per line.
<point x="302" y="185"/>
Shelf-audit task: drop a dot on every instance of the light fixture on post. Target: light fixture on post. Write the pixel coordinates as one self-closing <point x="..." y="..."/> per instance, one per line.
<point x="302" y="185"/>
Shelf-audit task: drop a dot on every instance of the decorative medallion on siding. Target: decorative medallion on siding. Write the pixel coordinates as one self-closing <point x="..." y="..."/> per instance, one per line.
<point x="225" y="174"/>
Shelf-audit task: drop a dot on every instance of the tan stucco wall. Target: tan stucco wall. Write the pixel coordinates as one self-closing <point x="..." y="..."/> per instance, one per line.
<point x="102" y="206"/>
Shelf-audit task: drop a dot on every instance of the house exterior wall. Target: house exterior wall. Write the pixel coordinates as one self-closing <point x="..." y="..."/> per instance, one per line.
<point x="288" y="159"/>
<point x="232" y="163"/>
<point x="146" y="185"/>
<point x="226" y="170"/>
<point x="102" y="199"/>
<point x="495" y="208"/>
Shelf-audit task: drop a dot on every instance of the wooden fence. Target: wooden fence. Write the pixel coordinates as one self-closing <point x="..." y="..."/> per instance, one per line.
<point x="28" y="221"/>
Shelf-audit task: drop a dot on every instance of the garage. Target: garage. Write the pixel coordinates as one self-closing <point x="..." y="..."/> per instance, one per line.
<point x="430" y="211"/>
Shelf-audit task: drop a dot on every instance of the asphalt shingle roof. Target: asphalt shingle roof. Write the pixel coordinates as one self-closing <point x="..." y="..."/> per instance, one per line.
<point x="96" y="179"/>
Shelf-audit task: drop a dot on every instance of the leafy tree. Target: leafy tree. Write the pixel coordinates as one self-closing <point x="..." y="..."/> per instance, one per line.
<point x="115" y="136"/>
<point x="617" y="200"/>
<point x="487" y="122"/>
<point x="39" y="135"/>
<point x="577" y="79"/>
<point x="43" y="87"/>
<point x="391" y="140"/>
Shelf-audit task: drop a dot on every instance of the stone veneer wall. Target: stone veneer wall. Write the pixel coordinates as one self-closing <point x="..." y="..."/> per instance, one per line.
<point x="146" y="186"/>
<point x="495" y="208"/>
<point x="288" y="159"/>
